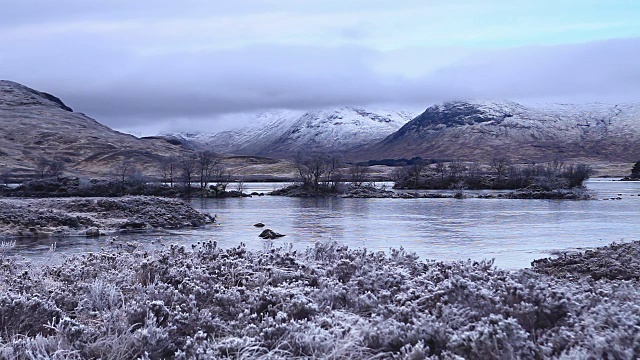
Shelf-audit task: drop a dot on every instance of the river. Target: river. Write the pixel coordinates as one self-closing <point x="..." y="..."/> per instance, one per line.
<point x="513" y="232"/>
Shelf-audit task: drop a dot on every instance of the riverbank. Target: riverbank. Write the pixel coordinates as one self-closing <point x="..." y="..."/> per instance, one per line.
<point x="94" y="216"/>
<point x="329" y="301"/>
<point x="82" y="187"/>
<point x="373" y="192"/>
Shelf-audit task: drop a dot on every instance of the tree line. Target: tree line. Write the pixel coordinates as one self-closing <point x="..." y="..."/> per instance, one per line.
<point x="500" y="173"/>
<point x="202" y="171"/>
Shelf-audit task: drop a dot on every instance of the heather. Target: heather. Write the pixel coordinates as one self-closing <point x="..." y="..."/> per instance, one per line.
<point x="41" y="217"/>
<point x="326" y="302"/>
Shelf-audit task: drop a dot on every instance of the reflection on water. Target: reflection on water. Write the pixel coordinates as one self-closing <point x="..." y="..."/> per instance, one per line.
<point x="514" y="232"/>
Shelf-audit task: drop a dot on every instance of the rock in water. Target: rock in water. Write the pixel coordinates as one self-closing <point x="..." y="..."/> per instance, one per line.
<point x="270" y="234"/>
<point x="92" y="232"/>
<point x="259" y="225"/>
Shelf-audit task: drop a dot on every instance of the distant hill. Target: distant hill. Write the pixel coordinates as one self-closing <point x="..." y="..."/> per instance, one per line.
<point x="283" y="134"/>
<point x="35" y="125"/>
<point x="483" y="130"/>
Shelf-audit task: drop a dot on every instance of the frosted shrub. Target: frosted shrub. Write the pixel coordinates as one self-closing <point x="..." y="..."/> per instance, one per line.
<point x="493" y="337"/>
<point x="5" y="247"/>
<point x="103" y="296"/>
<point x="328" y="302"/>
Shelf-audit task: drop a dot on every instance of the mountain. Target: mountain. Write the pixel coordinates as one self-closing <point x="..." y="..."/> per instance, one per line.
<point x="483" y="130"/>
<point x="36" y="126"/>
<point x="282" y="134"/>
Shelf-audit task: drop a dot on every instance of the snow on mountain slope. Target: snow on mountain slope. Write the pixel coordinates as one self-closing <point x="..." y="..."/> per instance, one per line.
<point x="261" y="129"/>
<point x="287" y="132"/>
<point x="481" y="130"/>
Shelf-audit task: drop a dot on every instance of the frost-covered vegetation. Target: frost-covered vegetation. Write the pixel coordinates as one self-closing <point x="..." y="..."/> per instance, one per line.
<point x="328" y="302"/>
<point x="613" y="262"/>
<point x="93" y="216"/>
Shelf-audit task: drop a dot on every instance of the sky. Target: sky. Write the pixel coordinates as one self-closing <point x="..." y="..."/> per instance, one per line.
<point x="154" y="66"/>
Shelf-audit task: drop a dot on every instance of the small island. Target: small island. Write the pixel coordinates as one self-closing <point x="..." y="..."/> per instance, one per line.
<point x="320" y="177"/>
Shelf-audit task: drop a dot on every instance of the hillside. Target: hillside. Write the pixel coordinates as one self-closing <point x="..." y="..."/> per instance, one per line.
<point x="481" y="131"/>
<point x="282" y="134"/>
<point x="36" y="126"/>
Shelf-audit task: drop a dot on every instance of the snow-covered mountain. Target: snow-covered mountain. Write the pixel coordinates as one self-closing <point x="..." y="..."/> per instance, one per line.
<point x="482" y="130"/>
<point x="285" y="133"/>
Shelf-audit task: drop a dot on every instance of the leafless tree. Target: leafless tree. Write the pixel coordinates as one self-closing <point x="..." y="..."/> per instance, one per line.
<point x="168" y="169"/>
<point x="415" y="172"/>
<point x="240" y="186"/>
<point x="221" y="177"/>
<point x="42" y="164"/>
<point x="441" y="170"/>
<point x="125" y="172"/>
<point x="56" y="168"/>
<point x="207" y="162"/>
<point x="188" y="168"/>
<point x="474" y="174"/>
<point x="312" y="169"/>
<point x="578" y="174"/>
<point x="456" y="168"/>
<point x="333" y="174"/>
<point x="500" y="165"/>
<point x="554" y="168"/>
<point x="358" y="174"/>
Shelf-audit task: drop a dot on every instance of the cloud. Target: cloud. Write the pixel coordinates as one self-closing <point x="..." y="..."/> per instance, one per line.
<point x="132" y="65"/>
<point x="603" y="70"/>
<point x="124" y="89"/>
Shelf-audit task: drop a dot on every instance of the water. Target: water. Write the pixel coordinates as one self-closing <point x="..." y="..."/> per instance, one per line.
<point x="513" y="232"/>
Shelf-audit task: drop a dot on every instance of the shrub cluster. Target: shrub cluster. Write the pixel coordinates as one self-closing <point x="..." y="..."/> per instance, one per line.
<point x="498" y="175"/>
<point x="328" y="302"/>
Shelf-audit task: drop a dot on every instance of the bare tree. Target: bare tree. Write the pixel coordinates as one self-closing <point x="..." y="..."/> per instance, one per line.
<point x="415" y="172"/>
<point x="221" y="178"/>
<point x="56" y="168"/>
<point x="207" y="162"/>
<point x="357" y="175"/>
<point x="333" y="174"/>
<point x="474" y="175"/>
<point x="42" y="164"/>
<point x="240" y="186"/>
<point x="500" y="165"/>
<point x="125" y="172"/>
<point x="456" y="168"/>
<point x="188" y="168"/>
<point x="312" y="169"/>
<point x="578" y="174"/>
<point x="441" y="170"/>
<point x="169" y="168"/>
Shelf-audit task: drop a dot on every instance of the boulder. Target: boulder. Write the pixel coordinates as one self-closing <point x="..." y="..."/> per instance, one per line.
<point x="92" y="232"/>
<point x="270" y="234"/>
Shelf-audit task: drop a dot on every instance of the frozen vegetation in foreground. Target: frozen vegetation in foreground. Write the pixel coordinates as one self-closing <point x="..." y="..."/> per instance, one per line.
<point x="328" y="302"/>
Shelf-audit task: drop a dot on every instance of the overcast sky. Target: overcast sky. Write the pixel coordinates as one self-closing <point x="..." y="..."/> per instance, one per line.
<point x="146" y="66"/>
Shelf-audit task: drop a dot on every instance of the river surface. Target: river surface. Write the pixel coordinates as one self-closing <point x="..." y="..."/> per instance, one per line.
<point x="513" y="232"/>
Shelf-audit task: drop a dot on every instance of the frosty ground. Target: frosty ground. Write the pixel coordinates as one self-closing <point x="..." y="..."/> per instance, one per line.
<point x="94" y="216"/>
<point x="327" y="302"/>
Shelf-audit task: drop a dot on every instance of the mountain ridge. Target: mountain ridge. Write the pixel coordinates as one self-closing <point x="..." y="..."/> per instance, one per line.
<point x="482" y="130"/>
<point x="284" y="133"/>
<point x="37" y="126"/>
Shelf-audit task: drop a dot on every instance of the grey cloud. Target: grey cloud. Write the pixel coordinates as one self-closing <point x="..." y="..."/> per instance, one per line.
<point x="123" y="89"/>
<point x="605" y="70"/>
